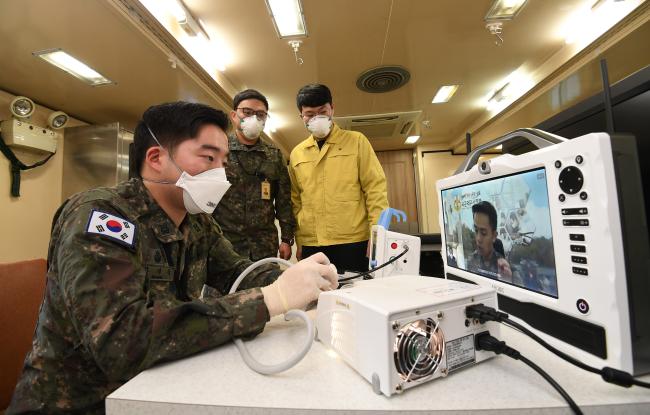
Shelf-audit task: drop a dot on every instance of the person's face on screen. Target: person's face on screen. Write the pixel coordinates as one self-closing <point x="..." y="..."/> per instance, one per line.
<point x="484" y="235"/>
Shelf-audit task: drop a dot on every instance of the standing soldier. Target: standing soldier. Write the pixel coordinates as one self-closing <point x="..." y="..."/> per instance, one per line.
<point x="261" y="189"/>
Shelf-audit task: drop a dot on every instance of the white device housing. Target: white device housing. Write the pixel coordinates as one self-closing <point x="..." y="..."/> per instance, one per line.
<point x="591" y="317"/>
<point x="362" y="323"/>
<point x="23" y="134"/>
<point x="386" y="245"/>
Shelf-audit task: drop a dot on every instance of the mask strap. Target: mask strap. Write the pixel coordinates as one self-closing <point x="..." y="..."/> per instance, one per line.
<point x="170" y="157"/>
<point x="161" y="146"/>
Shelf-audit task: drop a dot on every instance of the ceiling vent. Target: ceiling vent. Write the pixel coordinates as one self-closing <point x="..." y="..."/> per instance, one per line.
<point x="383" y="79"/>
<point x="395" y="125"/>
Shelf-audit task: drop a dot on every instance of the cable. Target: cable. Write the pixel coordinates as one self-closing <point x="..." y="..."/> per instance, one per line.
<point x="370" y="271"/>
<point x="610" y="375"/>
<point x="297" y="357"/>
<point x="484" y="341"/>
<point x="641" y="383"/>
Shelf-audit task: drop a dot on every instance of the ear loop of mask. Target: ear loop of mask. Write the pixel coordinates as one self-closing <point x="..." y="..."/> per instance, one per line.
<point x="170" y="157"/>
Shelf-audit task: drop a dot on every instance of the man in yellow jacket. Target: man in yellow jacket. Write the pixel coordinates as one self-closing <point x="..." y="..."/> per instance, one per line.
<point x="338" y="187"/>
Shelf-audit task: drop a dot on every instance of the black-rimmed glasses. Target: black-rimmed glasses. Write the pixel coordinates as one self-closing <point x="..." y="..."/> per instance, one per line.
<point x="249" y="112"/>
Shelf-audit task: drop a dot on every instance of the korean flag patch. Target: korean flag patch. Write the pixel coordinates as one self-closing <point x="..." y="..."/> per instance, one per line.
<point x="111" y="226"/>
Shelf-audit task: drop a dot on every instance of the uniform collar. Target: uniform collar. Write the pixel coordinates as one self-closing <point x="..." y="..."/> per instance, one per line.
<point x="235" y="145"/>
<point x="332" y="138"/>
<point x="142" y="205"/>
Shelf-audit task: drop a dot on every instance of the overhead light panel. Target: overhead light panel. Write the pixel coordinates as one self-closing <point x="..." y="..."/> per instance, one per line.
<point x="444" y="94"/>
<point x="504" y="9"/>
<point x="412" y="139"/>
<point x="73" y="66"/>
<point x="288" y="18"/>
<point x="185" y="20"/>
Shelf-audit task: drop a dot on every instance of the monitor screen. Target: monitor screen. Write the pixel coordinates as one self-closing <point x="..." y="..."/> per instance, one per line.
<point x="501" y="229"/>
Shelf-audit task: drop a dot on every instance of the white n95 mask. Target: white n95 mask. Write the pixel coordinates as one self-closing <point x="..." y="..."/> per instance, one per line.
<point x="251" y="127"/>
<point x="202" y="193"/>
<point x="320" y="126"/>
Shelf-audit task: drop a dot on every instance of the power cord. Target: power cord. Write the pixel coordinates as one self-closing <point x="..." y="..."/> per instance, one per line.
<point x="484" y="341"/>
<point x="610" y="375"/>
<point x="366" y="274"/>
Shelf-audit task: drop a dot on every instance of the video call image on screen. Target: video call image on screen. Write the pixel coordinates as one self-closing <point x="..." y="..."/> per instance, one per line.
<point x="501" y="229"/>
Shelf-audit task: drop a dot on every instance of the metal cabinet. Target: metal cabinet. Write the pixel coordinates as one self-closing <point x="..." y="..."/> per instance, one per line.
<point x="93" y="156"/>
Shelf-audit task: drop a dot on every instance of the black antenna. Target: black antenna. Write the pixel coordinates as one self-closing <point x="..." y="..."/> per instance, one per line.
<point x="609" y="112"/>
<point x="468" y="142"/>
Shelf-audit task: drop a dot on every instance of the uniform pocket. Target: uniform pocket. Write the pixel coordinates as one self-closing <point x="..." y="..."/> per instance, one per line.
<point x="342" y="176"/>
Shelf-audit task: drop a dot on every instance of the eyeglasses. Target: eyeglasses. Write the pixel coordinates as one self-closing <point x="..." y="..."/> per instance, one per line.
<point x="249" y="112"/>
<point x="309" y="115"/>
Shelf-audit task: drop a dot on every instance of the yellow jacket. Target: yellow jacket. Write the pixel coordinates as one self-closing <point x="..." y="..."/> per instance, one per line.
<point x="339" y="191"/>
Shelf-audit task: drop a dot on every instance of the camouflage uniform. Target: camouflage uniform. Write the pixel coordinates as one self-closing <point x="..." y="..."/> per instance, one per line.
<point x="111" y="311"/>
<point x="247" y="220"/>
<point x="488" y="268"/>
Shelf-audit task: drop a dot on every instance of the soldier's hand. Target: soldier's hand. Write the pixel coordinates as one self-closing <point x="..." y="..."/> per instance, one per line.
<point x="298" y="252"/>
<point x="285" y="250"/>
<point x="300" y="284"/>
<point x="504" y="269"/>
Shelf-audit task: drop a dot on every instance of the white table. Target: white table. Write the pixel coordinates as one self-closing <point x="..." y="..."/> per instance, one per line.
<point x="218" y="381"/>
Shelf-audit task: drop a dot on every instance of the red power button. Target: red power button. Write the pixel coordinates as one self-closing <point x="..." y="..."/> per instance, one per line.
<point x="393" y="245"/>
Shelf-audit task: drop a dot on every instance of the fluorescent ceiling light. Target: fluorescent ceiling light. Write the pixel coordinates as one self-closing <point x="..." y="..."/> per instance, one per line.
<point x="177" y="9"/>
<point x="185" y="19"/>
<point x="445" y="93"/>
<point x="587" y="23"/>
<point x="504" y="9"/>
<point x="73" y="66"/>
<point x="512" y="87"/>
<point x="288" y="19"/>
<point x="412" y="139"/>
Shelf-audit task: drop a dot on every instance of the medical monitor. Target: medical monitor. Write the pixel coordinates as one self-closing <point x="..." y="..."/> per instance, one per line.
<point x="500" y="228"/>
<point x="561" y="233"/>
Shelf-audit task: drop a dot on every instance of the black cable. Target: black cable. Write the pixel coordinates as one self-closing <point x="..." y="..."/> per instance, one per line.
<point x="610" y="375"/>
<point x="370" y="271"/>
<point x="552" y="349"/>
<point x="641" y="383"/>
<point x="549" y="379"/>
<point x="484" y="341"/>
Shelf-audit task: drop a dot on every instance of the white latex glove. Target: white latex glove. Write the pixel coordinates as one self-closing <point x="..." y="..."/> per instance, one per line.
<point x="300" y="284"/>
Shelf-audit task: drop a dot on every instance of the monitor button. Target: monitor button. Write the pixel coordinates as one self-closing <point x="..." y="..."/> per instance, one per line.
<point x="578" y="248"/>
<point x="571" y="180"/>
<point x="583" y="306"/>
<point x="580" y="271"/>
<point x="575" y="222"/>
<point x="576" y="237"/>
<point x="579" y="259"/>
<point x="575" y="211"/>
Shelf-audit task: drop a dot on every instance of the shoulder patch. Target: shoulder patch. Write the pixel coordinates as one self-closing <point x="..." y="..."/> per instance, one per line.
<point x="111" y="226"/>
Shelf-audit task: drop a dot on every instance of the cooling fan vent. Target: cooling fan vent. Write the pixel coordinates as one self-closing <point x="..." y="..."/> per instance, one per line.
<point x="419" y="349"/>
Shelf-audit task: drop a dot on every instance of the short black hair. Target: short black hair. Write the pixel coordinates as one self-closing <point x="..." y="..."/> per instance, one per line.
<point x="486" y="208"/>
<point x="172" y="123"/>
<point x="313" y="95"/>
<point x="249" y="94"/>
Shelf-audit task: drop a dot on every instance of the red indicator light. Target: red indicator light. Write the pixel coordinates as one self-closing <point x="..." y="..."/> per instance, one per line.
<point x="393" y="245"/>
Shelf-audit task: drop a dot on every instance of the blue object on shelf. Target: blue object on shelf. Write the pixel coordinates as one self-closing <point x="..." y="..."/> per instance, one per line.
<point x="387" y="215"/>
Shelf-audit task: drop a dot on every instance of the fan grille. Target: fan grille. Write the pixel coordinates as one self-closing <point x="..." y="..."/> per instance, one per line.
<point x="418" y="350"/>
<point x="383" y="79"/>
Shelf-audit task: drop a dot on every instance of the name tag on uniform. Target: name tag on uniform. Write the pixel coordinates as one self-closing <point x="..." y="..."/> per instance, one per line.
<point x="111" y="226"/>
<point x="266" y="190"/>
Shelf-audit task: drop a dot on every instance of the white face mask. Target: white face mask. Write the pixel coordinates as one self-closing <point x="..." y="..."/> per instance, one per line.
<point x="320" y="126"/>
<point x="251" y="127"/>
<point x="201" y="193"/>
